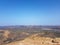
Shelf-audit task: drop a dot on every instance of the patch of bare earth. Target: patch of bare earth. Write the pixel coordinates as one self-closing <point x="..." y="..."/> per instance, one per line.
<point x="37" y="40"/>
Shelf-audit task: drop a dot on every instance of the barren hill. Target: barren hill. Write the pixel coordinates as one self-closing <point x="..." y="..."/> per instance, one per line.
<point x="37" y="40"/>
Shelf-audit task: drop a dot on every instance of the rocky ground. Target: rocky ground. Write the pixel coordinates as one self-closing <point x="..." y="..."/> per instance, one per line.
<point x="8" y="37"/>
<point x="37" y="40"/>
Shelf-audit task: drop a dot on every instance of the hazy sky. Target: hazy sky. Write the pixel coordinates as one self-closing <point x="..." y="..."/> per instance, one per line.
<point x="29" y="12"/>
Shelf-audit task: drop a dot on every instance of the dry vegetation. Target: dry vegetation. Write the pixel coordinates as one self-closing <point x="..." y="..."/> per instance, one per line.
<point x="37" y="40"/>
<point x="29" y="37"/>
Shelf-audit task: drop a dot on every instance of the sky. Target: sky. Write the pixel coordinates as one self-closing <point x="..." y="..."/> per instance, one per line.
<point x="29" y="12"/>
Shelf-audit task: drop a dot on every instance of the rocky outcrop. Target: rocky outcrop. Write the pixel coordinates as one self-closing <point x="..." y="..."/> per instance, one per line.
<point x="37" y="40"/>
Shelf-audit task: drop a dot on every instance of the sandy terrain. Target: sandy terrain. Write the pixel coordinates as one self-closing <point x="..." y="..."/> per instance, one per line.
<point x="37" y="40"/>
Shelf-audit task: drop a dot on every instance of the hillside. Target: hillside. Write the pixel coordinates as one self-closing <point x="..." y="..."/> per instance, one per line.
<point x="29" y="35"/>
<point x="36" y="40"/>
